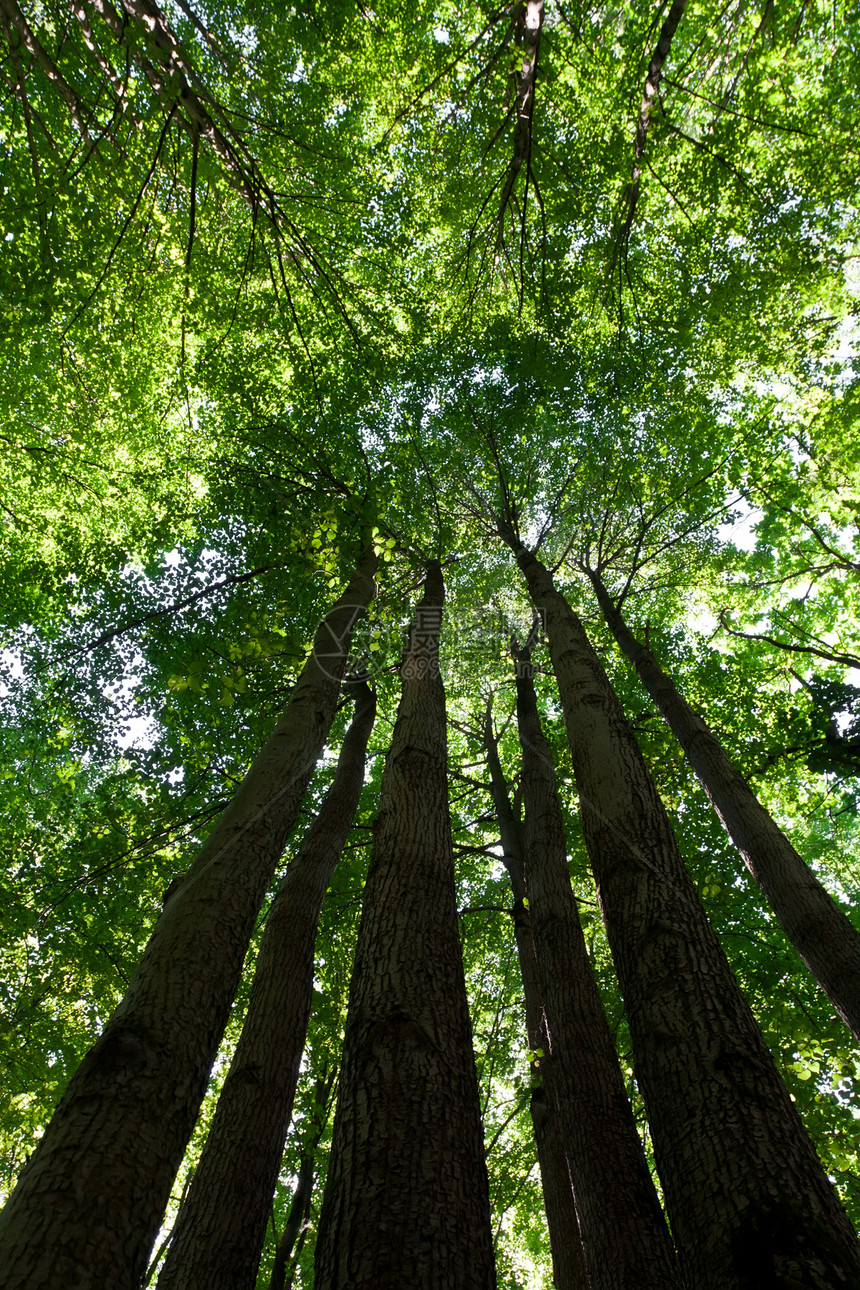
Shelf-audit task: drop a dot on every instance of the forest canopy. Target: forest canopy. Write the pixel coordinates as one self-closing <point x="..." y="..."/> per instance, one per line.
<point x="290" y="292"/>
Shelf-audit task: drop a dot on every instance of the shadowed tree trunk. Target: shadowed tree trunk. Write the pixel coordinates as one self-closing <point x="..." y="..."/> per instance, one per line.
<point x="292" y="1237"/>
<point x="746" y="1195"/>
<point x="822" y="934"/>
<point x="624" y="1233"/>
<point x="89" y="1202"/>
<point x="568" y="1261"/>
<point x="406" y="1201"/>
<point x="220" y="1228"/>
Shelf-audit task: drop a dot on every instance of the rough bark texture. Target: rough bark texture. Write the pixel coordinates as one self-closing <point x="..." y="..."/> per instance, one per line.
<point x="406" y="1201"/>
<point x="749" y="1203"/>
<point x="822" y="934"/>
<point x="89" y="1202"/>
<point x="568" y="1259"/>
<point x="624" y="1233"/>
<point x="220" y="1228"/>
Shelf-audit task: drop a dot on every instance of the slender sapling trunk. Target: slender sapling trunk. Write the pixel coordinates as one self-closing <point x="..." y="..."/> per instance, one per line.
<point x="624" y="1234"/>
<point x="568" y="1259"/>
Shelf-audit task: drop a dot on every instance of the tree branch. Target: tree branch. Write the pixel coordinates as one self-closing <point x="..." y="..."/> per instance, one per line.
<point x="652" y="84"/>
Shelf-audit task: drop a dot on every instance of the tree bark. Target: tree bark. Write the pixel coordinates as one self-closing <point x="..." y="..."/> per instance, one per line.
<point x="89" y="1202"/>
<point x="220" y="1228"/>
<point x="406" y="1200"/>
<point x="568" y="1259"/>
<point x="822" y="934"/>
<point x="748" y="1201"/>
<point x="624" y="1233"/>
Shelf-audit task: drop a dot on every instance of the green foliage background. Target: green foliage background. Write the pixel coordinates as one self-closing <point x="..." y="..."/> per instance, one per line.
<point x="250" y="303"/>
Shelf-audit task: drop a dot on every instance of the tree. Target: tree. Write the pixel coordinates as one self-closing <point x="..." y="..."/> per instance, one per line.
<point x="688" y="1019"/>
<point x="623" y="1230"/>
<point x="219" y="1230"/>
<point x="274" y="278"/>
<point x="822" y="934"/>
<point x="568" y="1259"/>
<point x="406" y="1195"/>
<point x="117" y="1137"/>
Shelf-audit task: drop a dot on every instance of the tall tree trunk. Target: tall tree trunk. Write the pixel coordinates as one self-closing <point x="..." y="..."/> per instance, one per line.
<point x="89" y="1202"/>
<point x="290" y="1244"/>
<point x="406" y="1200"/>
<point x="822" y="934"/>
<point x="568" y="1259"/>
<point x="624" y="1233"/>
<point x="220" y="1228"/>
<point x="747" y="1198"/>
